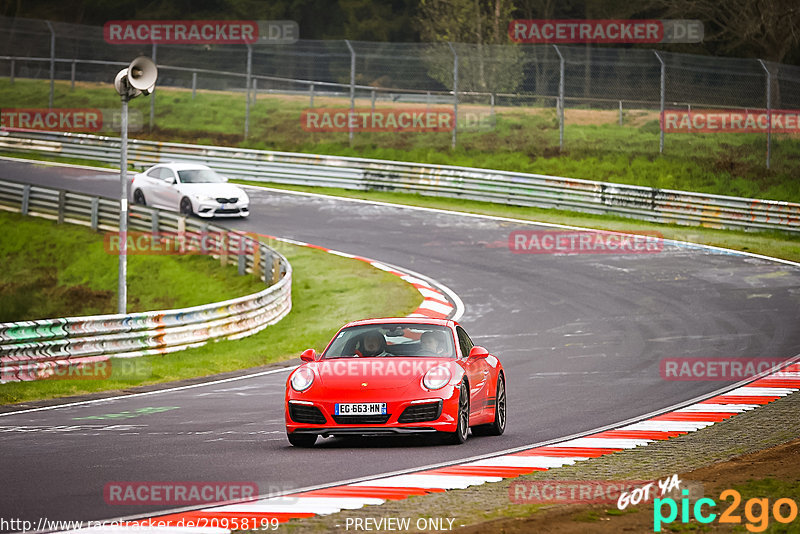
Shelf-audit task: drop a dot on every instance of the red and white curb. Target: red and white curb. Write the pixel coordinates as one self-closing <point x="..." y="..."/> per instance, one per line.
<point x="330" y="500"/>
<point x="434" y="305"/>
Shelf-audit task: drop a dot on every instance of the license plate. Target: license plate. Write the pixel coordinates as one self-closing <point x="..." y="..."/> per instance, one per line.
<point x="361" y="408"/>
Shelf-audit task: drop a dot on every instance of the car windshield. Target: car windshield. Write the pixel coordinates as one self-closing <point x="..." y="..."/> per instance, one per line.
<point x="200" y="176"/>
<point x="396" y="339"/>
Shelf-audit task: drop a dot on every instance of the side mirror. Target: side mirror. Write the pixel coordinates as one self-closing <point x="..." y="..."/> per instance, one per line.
<point x="171" y="180"/>
<point x="478" y="352"/>
<point x="308" y="355"/>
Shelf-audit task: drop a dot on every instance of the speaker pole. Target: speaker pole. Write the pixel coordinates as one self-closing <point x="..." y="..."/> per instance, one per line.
<point x="122" y="289"/>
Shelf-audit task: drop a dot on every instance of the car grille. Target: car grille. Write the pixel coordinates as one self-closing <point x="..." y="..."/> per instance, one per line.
<point x="421" y="412"/>
<point x="361" y="419"/>
<point x="310" y="415"/>
<point x="227" y="210"/>
<point x="222" y="200"/>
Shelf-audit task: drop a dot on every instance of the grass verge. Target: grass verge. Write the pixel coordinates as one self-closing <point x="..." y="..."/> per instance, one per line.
<point x="327" y="292"/>
<point x="523" y="139"/>
<point x="51" y="270"/>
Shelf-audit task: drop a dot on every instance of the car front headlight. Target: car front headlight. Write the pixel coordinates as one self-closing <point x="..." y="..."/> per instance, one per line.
<point x="437" y="377"/>
<point x="204" y="198"/>
<point x="302" y="379"/>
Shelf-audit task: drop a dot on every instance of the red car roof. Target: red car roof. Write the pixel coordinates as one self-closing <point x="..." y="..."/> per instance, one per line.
<point x="412" y="320"/>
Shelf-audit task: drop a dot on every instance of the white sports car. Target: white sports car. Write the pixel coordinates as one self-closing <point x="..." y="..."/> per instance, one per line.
<point x="189" y="188"/>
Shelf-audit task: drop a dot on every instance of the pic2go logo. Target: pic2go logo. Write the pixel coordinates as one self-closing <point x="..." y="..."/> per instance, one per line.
<point x="756" y="511"/>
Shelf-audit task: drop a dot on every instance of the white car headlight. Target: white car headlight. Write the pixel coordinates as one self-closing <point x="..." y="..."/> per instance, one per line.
<point x="437" y="377"/>
<point x="302" y="379"/>
<point x="204" y="198"/>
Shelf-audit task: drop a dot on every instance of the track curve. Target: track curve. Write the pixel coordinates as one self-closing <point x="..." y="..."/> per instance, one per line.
<point x="581" y="338"/>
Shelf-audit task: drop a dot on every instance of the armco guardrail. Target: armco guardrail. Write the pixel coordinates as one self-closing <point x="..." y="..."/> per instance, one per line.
<point x="30" y="350"/>
<point x="657" y="205"/>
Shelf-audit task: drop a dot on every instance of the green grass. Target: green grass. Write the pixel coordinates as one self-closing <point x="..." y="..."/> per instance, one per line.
<point x="51" y="270"/>
<point x="523" y="140"/>
<point x="327" y="292"/>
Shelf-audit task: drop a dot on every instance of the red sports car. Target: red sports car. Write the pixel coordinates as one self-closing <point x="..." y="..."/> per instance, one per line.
<point x="396" y="376"/>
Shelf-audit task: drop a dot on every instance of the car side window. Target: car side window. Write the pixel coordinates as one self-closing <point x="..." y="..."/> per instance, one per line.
<point x="154" y="173"/>
<point x="464" y="342"/>
<point x="166" y="174"/>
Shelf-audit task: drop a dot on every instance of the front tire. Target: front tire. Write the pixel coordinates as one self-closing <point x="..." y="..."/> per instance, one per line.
<point x="498" y="426"/>
<point x="302" y="440"/>
<point x="186" y="207"/>
<point x="462" y="427"/>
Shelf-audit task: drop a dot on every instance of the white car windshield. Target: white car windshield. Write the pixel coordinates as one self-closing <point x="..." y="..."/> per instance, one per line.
<point x="395" y="339"/>
<point x="200" y="176"/>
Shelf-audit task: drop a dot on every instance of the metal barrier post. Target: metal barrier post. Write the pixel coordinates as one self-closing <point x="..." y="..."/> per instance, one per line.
<point x="52" y="62"/>
<point x="455" y="95"/>
<point x="153" y="94"/>
<point x="247" y="91"/>
<point x="242" y="264"/>
<point x="769" y="110"/>
<point x="95" y="216"/>
<point x="194" y="84"/>
<point x="255" y="90"/>
<point x="26" y="199"/>
<point x="560" y="99"/>
<point x="154" y="221"/>
<point x="620" y="112"/>
<point x="352" y="88"/>
<point x="72" y="76"/>
<point x="661" y="106"/>
<point x="11" y="76"/>
<point x="62" y="200"/>
<point x="311" y="96"/>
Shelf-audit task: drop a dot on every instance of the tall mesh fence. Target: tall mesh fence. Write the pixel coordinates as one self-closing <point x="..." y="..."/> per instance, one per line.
<point x="514" y="75"/>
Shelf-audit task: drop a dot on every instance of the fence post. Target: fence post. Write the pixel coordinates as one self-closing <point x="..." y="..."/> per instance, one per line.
<point x="769" y="110"/>
<point x="52" y="62"/>
<point x="153" y="94"/>
<point x="620" y="112"/>
<point x="62" y="201"/>
<point x="72" y="76"/>
<point x="255" y="90"/>
<point x="242" y="263"/>
<point x="352" y="88"/>
<point x="95" y="213"/>
<point x="373" y="101"/>
<point x="26" y="198"/>
<point x="661" y="106"/>
<point x="311" y="96"/>
<point x="154" y="221"/>
<point x="247" y="91"/>
<point x="13" y="66"/>
<point x="491" y="102"/>
<point x="561" y="72"/>
<point x="194" y="84"/>
<point x="455" y="94"/>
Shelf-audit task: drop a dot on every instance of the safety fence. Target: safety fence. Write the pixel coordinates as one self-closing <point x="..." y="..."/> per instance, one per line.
<point x="518" y="189"/>
<point x="583" y="78"/>
<point x="31" y="350"/>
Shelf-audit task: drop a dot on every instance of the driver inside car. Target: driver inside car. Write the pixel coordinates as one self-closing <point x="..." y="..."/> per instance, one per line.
<point x="432" y="342"/>
<point x="373" y="344"/>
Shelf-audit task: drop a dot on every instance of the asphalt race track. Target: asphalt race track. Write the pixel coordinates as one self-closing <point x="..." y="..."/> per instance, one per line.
<point x="581" y="338"/>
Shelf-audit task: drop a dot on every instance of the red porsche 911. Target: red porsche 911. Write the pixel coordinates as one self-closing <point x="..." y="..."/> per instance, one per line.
<point x="396" y="376"/>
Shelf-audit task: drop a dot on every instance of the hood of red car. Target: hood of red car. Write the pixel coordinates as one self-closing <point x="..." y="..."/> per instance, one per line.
<point x="351" y="374"/>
